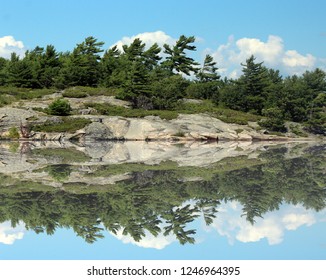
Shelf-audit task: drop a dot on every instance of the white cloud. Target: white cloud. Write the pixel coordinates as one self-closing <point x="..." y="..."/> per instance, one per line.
<point x="268" y="52"/>
<point x="8" y="44"/>
<point x="149" y="38"/>
<point x="9" y="235"/>
<point x="293" y="221"/>
<point x="273" y="53"/>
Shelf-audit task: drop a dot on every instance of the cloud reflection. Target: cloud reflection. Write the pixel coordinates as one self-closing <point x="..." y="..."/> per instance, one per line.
<point x="8" y="234"/>
<point x="273" y="226"/>
<point x="149" y="241"/>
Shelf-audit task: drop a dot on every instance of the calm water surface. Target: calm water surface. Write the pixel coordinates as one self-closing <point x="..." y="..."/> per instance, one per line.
<point x="163" y="201"/>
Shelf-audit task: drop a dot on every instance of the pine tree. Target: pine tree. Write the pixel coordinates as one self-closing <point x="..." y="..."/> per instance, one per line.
<point x="208" y="72"/>
<point x="177" y="60"/>
<point x="82" y="65"/>
<point x="20" y="72"/>
<point x="254" y="83"/>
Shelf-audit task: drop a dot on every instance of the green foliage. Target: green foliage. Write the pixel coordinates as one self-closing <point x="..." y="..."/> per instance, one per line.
<point x="167" y="92"/>
<point x="13" y="133"/>
<point x="59" y="172"/>
<point x="14" y="147"/>
<point x="208" y="72"/>
<point x="317" y="116"/>
<point x="253" y="83"/>
<point x="156" y="198"/>
<point x="65" y="125"/>
<point x="274" y="120"/>
<point x="62" y="155"/>
<point x="81" y="92"/>
<point x="203" y="90"/>
<point x="177" y="60"/>
<point x="297" y="130"/>
<point x="59" y="107"/>
<point x="112" y="110"/>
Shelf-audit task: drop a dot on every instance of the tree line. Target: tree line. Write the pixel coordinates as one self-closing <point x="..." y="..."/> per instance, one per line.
<point x="151" y="77"/>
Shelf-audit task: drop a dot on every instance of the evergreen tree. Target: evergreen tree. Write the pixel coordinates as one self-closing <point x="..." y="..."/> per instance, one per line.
<point x="82" y="65"/>
<point x="109" y="65"/>
<point x="207" y="85"/>
<point x="317" y="115"/>
<point x="253" y="82"/>
<point x="19" y="72"/>
<point x="3" y="71"/>
<point x="50" y="65"/>
<point x="294" y="99"/>
<point x="208" y="72"/>
<point x="152" y="57"/>
<point x="177" y="60"/>
<point x="134" y="76"/>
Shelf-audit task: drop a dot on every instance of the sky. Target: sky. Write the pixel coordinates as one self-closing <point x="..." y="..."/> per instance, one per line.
<point x="287" y="35"/>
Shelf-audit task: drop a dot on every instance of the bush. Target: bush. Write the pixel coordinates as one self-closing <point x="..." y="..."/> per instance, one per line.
<point x="70" y="125"/>
<point x="208" y="90"/>
<point x="59" y="107"/>
<point x="167" y="93"/>
<point x="13" y="133"/>
<point x="274" y="120"/>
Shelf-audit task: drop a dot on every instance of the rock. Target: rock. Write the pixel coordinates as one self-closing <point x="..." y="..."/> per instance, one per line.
<point x="13" y="116"/>
<point x="97" y="131"/>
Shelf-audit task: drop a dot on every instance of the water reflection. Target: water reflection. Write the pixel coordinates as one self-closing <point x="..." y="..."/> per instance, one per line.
<point x="153" y="205"/>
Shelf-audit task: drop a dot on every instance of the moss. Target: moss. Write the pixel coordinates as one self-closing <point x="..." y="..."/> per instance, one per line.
<point x="67" y="124"/>
<point x="112" y="110"/>
<point x="25" y="93"/>
<point x="64" y="155"/>
<point x="81" y="92"/>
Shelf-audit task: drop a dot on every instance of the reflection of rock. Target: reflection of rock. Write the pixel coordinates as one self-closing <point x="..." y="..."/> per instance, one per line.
<point x="98" y="150"/>
<point x="29" y="161"/>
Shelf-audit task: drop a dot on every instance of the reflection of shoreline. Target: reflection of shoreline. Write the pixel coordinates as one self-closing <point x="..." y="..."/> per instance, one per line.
<point x="139" y="198"/>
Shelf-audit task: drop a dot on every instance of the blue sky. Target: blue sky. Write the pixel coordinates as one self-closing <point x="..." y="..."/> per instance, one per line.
<point x="289" y="35"/>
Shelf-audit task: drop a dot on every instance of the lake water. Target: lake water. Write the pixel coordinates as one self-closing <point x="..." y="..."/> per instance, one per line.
<point x="138" y="200"/>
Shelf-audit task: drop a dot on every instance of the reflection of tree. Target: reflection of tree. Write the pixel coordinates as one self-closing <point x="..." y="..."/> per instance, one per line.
<point x="208" y="209"/>
<point x="155" y="201"/>
<point x="59" y="172"/>
<point x="90" y="232"/>
<point x="265" y="187"/>
<point x="177" y="219"/>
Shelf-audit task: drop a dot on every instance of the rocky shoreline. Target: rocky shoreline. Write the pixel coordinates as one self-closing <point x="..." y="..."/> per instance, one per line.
<point x="194" y="127"/>
<point x="184" y="128"/>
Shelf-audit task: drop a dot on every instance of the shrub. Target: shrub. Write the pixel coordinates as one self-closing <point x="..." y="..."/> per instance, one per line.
<point x="59" y="107"/>
<point x="208" y="90"/>
<point x="70" y="125"/>
<point x="13" y="133"/>
<point x="274" y="120"/>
